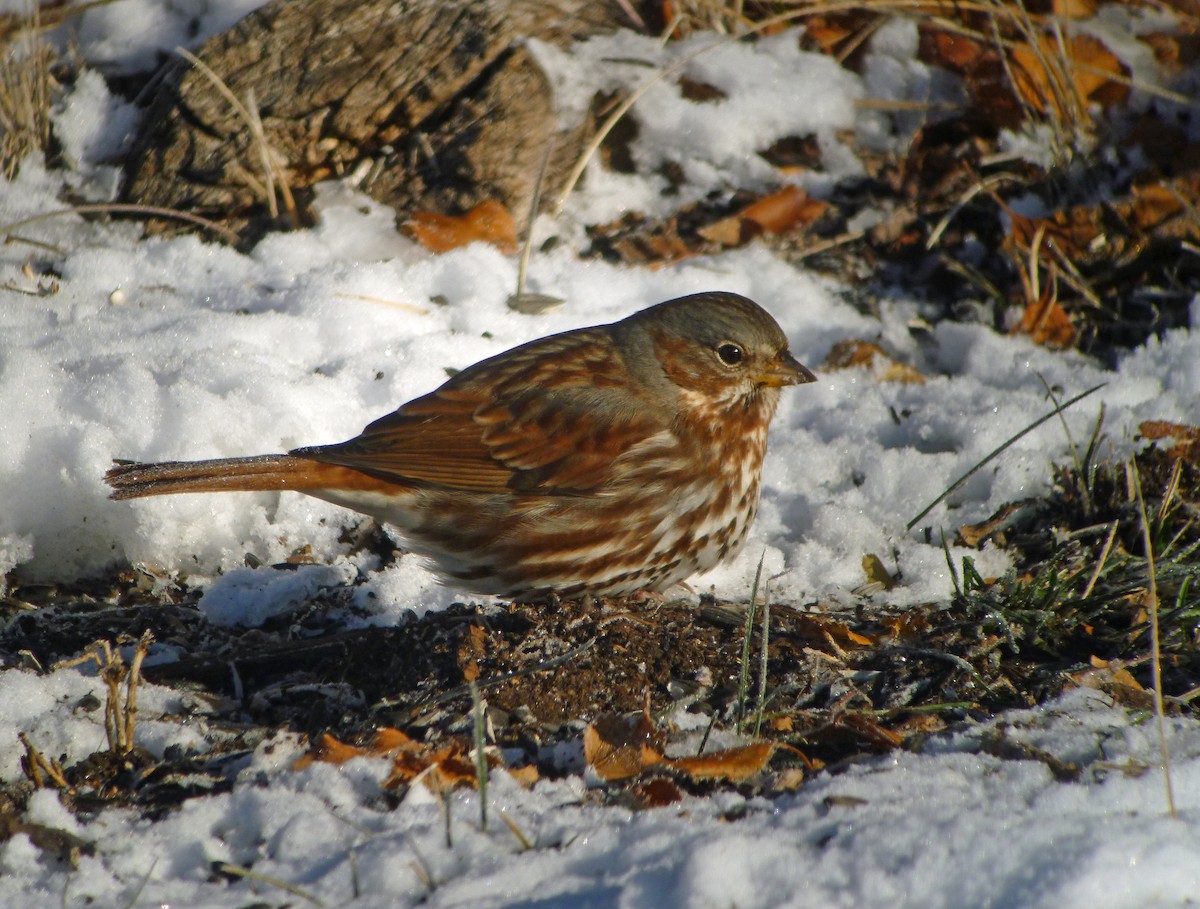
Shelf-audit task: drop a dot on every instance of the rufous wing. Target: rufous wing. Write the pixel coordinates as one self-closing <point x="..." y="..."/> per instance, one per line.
<point x="549" y="418"/>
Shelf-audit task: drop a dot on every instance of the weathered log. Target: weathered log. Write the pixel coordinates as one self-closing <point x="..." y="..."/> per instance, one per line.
<point x="434" y="105"/>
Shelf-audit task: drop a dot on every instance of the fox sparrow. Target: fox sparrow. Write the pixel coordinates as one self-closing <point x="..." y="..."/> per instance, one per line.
<point x="604" y="460"/>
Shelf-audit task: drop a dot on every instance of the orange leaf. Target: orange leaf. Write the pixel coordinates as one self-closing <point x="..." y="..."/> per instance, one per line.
<point x="1187" y="438"/>
<point x="1158" y="429"/>
<point x="952" y="51"/>
<point x="733" y="764"/>
<point x="328" y="750"/>
<point x="783" y="210"/>
<point x="870" y="731"/>
<point x="525" y="776"/>
<point x="827" y="32"/>
<point x="1073" y="9"/>
<point x="1114" y="680"/>
<point x="1153" y="205"/>
<point x="906" y="625"/>
<point x="777" y="213"/>
<point x="618" y="749"/>
<point x="1173" y="52"/>
<point x="489" y="222"/>
<point x="1084" y="60"/>
<point x="855" y="352"/>
<point x="449" y="766"/>
<point x="1046" y="323"/>
<point x="390" y="739"/>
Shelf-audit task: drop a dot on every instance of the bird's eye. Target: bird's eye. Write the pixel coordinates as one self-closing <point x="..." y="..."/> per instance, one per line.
<point x="730" y="354"/>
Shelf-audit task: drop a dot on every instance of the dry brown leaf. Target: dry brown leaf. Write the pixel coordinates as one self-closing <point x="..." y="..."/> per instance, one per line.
<point x="950" y="50"/>
<point x="1002" y="519"/>
<point x="1186" y="438"/>
<point x="783" y="210"/>
<point x="857" y="352"/>
<point x="440" y="768"/>
<point x="1173" y="52"/>
<point x="732" y="764"/>
<point x="842" y="35"/>
<point x="657" y="793"/>
<point x="777" y="213"/>
<point x="1046" y="323"/>
<point x="1087" y="63"/>
<point x="471" y="647"/>
<point x="1153" y="205"/>
<point x="489" y="222"/>
<point x="329" y="750"/>
<point x="866" y="729"/>
<point x="389" y="739"/>
<point x="907" y="624"/>
<point x="443" y="768"/>
<point x="1068" y="233"/>
<point x="525" y="776"/>
<point x="1073" y="9"/>
<point x="826" y="634"/>
<point x="1114" y="680"/>
<point x="615" y="748"/>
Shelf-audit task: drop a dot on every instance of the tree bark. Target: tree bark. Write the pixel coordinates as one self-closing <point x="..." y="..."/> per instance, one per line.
<point x="431" y="106"/>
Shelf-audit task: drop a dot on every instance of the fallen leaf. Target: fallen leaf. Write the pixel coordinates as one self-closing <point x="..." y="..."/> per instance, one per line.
<point x="525" y="776"/>
<point x="866" y="729"/>
<point x="489" y="222"/>
<point x="1006" y="516"/>
<point x="328" y="750"/>
<point x="732" y="764"/>
<point x="694" y="90"/>
<point x="614" y="746"/>
<point x="442" y="768"/>
<point x="1083" y="59"/>
<point x="836" y="636"/>
<point x="617" y="748"/>
<point x="1186" y="438"/>
<point x="777" y="213"/>
<point x="878" y="577"/>
<point x="1046" y="322"/>
<point x="783" y="210"/>
<point x="1073" y="9"/>
<point x="854" y="352"/>
<point x="657" y="793"/>
<point x="1114" y="680"/>
<point x="1155" y="204"/>
<point x="907" y="624"/>
<point x="1173" y="52"/>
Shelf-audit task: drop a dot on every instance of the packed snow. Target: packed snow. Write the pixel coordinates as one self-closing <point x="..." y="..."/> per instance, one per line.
<point x="157" y="349"/>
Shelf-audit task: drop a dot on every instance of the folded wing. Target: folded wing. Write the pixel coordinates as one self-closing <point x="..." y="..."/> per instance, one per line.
<point x="548" y="418"/>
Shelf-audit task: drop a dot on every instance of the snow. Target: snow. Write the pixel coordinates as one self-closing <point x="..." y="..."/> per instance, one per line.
<point x="159" y="349"/>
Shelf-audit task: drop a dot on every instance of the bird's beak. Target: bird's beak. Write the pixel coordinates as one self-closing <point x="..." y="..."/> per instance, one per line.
<point x="785" y="370"/>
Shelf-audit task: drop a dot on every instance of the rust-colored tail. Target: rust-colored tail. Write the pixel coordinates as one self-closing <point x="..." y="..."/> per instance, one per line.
<point x="269" y="472"/>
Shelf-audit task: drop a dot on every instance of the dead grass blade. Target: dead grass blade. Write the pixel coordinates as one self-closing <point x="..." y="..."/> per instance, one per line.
<point x="1155" y="643"/>
<point x="122" y="208"/>
<point x="274" y="165"/>
<point x="26" y="93"/>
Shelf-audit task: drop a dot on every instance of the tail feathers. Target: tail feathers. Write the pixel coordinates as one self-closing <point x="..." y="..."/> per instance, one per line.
<point x="263" y="472"/>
